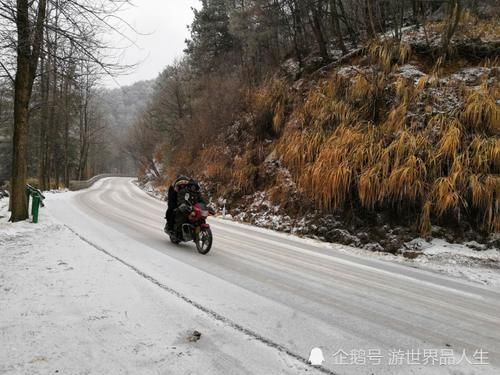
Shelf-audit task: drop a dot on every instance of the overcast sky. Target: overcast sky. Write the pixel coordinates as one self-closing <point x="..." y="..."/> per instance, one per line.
<point x="165" y="23"/>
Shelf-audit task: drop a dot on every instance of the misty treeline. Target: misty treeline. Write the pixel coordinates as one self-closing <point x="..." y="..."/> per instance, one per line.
<point x="235" y="45"/>
<point x="53" y="127"/>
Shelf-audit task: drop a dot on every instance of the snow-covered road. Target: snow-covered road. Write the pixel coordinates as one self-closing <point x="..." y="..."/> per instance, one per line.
<point x="290" y="295"/>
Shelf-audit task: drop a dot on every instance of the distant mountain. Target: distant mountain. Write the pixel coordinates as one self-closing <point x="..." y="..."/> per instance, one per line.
<point x="122" y="106"/>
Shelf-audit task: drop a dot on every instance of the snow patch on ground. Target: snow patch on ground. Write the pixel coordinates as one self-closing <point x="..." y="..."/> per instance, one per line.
<point x="409" y="71"/>
<point x="471" y="76"/>
<point x="262" y="213"/>
<point x="470" y="260"/>
<point x="69" y="308"/>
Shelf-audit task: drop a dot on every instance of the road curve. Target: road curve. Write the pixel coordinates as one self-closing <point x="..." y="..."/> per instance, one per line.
<point x="299" y="294"/>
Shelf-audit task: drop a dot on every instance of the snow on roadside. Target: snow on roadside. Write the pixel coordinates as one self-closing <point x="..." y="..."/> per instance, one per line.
<point x="69" y="308"/>
<point x="470" y="261"/>
<point x="7" y="229"/>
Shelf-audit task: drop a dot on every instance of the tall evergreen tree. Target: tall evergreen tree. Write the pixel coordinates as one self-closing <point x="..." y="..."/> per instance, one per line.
<point x="210" y="36"/>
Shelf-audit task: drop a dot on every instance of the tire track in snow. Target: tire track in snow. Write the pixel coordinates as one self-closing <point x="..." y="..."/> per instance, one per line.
<point x="206" y="310"/>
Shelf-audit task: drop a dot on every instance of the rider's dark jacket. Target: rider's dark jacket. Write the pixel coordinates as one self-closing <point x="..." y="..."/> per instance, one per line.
<point x="172" y="205"/>
<point x="187" y="196"/>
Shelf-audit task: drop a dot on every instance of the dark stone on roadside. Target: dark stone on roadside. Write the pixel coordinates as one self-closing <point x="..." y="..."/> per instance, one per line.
<point x="391" y="245"/>
<point x="322" y="230"/>
<point x="342" y="236"/>
<point x="374" y="247"/>
<point x="411" y="254"/>
<point x="363" y="237"/>
<point x="194" y="336"/>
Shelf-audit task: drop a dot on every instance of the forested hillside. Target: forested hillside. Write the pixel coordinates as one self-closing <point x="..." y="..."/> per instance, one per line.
<point x="95" y="133"/>
<point x="354" y="121"/>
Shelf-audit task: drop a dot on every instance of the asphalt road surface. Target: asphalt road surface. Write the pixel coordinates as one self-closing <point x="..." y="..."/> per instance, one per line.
<point x="366" y="315"/>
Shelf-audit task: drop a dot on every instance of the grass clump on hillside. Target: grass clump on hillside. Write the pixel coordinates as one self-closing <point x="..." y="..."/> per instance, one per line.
<point x="443" y="167"/>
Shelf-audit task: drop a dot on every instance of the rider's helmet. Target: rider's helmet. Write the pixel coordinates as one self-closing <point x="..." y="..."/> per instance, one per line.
<point x="181" y="182"/>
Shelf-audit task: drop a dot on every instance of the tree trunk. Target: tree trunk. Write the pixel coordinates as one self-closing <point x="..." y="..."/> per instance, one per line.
<point x="66" y="132"/>
<point x="29" y="39"/>
<point x="52" y="154"/>
<point x="371" y="22"/>
<point x="336" y="26"/>
<point x="455" y="11"/>
<point x="352" y="32"/>
<point x="43" y="152"/>
<point x="19" y="204"/>
<point x="414" y="7"/>
<point x="318" y="34"/>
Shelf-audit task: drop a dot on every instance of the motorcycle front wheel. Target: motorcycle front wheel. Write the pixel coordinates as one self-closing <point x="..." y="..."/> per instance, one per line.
<point x="204" y="241"/>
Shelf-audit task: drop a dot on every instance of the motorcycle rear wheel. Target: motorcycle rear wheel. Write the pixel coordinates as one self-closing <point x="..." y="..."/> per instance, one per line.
<point x="203" y="241"/>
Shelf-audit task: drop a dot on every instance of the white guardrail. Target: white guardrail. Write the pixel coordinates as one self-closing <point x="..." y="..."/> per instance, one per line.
<point x="79" y="185"/>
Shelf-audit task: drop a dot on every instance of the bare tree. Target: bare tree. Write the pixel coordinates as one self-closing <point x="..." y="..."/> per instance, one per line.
<point x="29" y="41"/>
<point x="46" y="28"/>
<point x="454" y="14"/>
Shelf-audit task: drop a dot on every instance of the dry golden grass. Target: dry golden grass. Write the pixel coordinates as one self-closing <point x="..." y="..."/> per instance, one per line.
<point x="329" y="177"/>
<point x="405" y="90"/>
<point x="301" y="147"/>
<point x="492" y="212"/>
<point x="445" y="195"/>
<point x="330" y="185"/>
<point x="402" y="147"/>
<point x="473" y="28"/>
<point x="396" y="119"/>
<point x="447" y="167"/>
<point x="484" y="154"/>
<point x="269" y="105"/>
<point x="481" y="197"/>
<point x="481" y="110"/>
<point x="361" y="88"/>
<point x="406" y="183"/>
<point x="336" y="86"/>
<point x="337" y="156"/>
<point x="386" y="54"/>
<point x="491" y="62"/>
<point x="214" y="163"/>
<point x="370" y="186"/>
<point x="365" y="94"/>
<point x="243" y="173"/>
<point x="421" y="83"/>
<point x="323" y="111"/>
<point x="449" y="145"/>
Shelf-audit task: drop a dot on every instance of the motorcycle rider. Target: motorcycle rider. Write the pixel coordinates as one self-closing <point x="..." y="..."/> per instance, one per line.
<point x="187" y="195"/>
<point x="179" y="184"/>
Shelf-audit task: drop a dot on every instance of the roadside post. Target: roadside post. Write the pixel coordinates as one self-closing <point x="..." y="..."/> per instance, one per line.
<point x="37" y="201"/>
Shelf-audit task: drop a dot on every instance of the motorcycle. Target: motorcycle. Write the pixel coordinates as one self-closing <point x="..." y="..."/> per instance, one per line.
<point x="195" y="229"/>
